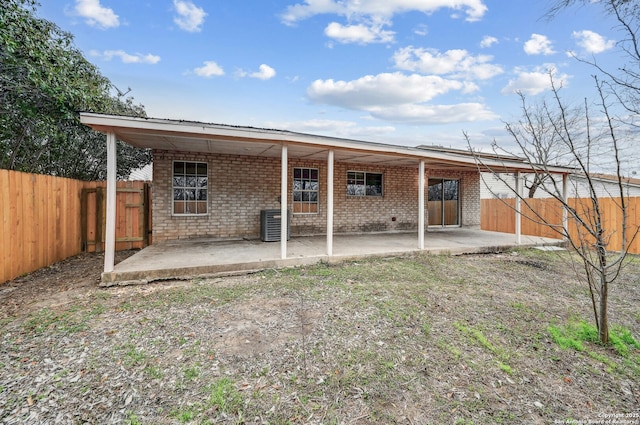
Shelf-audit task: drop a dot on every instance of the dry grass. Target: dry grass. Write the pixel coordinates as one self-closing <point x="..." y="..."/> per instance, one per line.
<point x="417" y="340"/>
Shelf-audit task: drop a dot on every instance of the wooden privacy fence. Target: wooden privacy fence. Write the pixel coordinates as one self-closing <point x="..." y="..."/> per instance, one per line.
<point x="45" y="219"/>
<point x="133" y="218"/>
<point x="498" y="215"/>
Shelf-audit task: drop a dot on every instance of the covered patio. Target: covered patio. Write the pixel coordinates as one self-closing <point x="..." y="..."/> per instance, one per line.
<point x="183" y="259"/>
<point x="212" y="182"/>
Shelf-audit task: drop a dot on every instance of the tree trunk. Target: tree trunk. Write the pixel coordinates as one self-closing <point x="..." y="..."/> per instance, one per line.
<point x="603" y="327"/>
<point x="604" y="320"/>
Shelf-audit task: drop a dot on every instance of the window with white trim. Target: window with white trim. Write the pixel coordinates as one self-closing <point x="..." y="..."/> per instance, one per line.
<point x="306" y="189"/>
<point x="360" y="183"/>
<point x="190" y="184"/>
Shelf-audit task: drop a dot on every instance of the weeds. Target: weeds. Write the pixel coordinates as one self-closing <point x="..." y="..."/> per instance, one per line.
<point x="576" y="333"/>
<point x="185" y="415"/>
<point x="133" y="355"/>
<point x="153" y="372"/>
<point x="191" y="373"/>
<point x="66" y="322"/>
<point x="477" y="335"/>
<point x="224" y="396"/>
<point x="132" y="419"/>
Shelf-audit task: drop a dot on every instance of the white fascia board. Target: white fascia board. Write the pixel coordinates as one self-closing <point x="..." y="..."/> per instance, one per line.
<point x="102" y="122"/>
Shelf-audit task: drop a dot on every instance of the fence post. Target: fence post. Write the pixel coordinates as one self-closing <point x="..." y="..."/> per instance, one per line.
<point x="565" y="214"/>
<point x="100" y="207"/>
<point x="518" y="210"/>
<point x="84" y="195"/>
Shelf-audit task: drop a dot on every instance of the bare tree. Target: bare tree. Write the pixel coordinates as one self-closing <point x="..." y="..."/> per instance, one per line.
<point x="535" y="132"/>
<point x="622" y="82"/>
<point x="580" y="137"/>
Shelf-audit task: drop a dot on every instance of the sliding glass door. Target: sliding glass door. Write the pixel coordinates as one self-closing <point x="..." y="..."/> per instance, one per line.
<point x="444" y="202"/>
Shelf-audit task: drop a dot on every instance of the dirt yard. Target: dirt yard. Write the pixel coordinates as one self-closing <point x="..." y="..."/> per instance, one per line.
<point x="415" y="340"/>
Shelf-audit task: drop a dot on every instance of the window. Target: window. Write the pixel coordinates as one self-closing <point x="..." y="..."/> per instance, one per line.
<point x="189" y="188"/>
<point x="305" y="190"/>
<point x="364" y="184"/>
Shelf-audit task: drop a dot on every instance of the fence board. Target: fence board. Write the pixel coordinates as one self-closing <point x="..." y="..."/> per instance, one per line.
<point x="41" y="220"/>
<point x="132" y="205"/>
<point x="498" y="215"/>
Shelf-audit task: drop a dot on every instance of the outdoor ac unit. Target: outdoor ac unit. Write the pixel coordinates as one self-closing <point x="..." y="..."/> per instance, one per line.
<point x="270" y="225"/>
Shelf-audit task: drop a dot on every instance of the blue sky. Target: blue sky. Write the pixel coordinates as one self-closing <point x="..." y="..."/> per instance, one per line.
<point x="403" y="72"/>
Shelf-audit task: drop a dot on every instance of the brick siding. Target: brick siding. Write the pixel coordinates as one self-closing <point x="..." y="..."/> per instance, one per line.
<point x="241" y="186"/>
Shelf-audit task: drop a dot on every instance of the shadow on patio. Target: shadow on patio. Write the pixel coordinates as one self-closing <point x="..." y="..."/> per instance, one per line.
<point x="204" y="257"/>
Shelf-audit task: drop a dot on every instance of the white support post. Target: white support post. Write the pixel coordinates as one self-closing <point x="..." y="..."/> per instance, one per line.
<point x="283" y="204"/>
<point x="110" y="231"/>
<point x="565" y="213"/>
<point x="330" y="159"/>
<point x="421" y="205"/>
<point x="518" y="209"/>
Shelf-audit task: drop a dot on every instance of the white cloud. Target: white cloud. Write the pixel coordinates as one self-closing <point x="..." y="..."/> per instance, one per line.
<point x="381" y="90"/>
<point x="455" y="63"/>
<point x="399" y="97"/>
<point x="488" y="41"/>
<point x="265" y="73"/>
<point x="360" y="33"/>
<point x="421" y="30"/>
<point x="209" y="69"/>
<point x="435" y="114"/>
<point x="127" y="57"/>
<point x="538" y="45"/>
<point x="592" y="42"/>
<point x="190" y="17"/>
<point x="534" y="82"/>
<point x="96" y="14"/>
<point x="379" y="9"/>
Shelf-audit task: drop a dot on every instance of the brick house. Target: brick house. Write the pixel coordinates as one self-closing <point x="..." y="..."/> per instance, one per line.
<point x="214" y="181"/>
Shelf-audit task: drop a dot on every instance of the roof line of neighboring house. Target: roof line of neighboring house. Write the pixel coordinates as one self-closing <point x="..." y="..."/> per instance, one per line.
<point x="106" y="123"/>
<point x="482" y="156"/>
<point x="477" y="154"/>
<point x="610" y="178"/>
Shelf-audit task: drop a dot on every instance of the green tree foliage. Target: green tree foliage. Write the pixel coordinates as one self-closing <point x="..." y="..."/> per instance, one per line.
<point x="44" y="82"/>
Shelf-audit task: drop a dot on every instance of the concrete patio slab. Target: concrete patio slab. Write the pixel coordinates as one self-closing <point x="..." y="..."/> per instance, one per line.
<point x="189" y="258"/>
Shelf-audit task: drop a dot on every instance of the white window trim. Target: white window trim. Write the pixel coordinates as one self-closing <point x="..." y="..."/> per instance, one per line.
<point x="365" y="184"/>
<point x="173" y="213"/>
<point x="293" y="202"/>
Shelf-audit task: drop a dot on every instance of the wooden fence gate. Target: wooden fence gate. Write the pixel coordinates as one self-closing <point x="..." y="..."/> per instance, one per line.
<point x="133" y="218"/>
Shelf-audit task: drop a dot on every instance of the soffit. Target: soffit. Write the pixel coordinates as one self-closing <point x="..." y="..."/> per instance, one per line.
<point x="273" y="149"/>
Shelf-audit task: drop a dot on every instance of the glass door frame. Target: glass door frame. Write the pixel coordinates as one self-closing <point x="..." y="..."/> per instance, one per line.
<point x="442" y="224"/>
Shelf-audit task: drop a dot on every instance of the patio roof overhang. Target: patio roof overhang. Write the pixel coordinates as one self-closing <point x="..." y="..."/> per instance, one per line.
<point x="190" y="136"/>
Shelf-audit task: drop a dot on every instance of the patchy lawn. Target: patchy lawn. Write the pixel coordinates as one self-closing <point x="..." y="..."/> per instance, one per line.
<point x="482" y="339"/>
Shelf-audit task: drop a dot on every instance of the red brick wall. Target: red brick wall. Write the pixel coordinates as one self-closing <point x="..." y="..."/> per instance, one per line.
<point x="241" y="186"/>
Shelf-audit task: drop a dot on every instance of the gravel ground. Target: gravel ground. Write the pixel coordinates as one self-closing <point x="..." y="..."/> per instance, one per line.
<point x="413" y="340"/>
